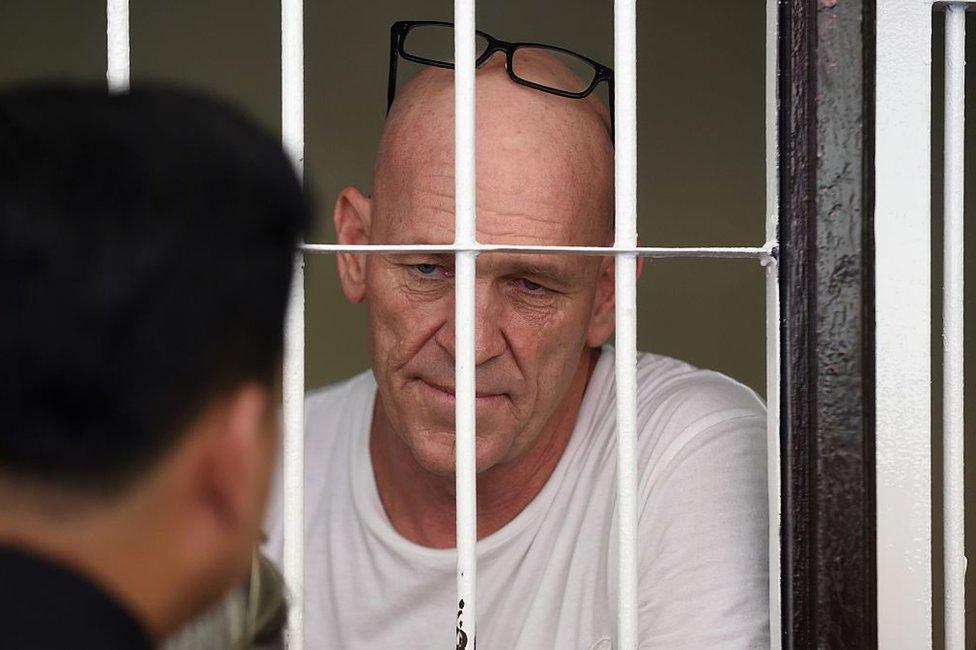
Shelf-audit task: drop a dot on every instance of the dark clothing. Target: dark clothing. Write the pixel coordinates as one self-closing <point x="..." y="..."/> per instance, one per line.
<point x="44" y="606"/>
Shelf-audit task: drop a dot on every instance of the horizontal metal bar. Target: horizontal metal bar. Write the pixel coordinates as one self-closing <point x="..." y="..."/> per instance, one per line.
<point x="762" y="253"/>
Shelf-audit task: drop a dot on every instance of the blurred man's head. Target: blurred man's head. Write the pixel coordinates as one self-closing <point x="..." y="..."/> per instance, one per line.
<point x="545" y="177"/>
<point x="146" y="246"/>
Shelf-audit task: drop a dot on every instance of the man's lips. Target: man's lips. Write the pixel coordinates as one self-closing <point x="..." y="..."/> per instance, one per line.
<point x="448" y="390"/>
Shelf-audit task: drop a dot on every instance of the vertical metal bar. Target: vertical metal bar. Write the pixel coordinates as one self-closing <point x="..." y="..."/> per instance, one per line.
<point x="773" y="468"/>
<point x="625" y="190"/>
<point x="293" y="380"/>
<point x="117" y="50"/>
<point x="464" y="330"/>
<point x="773" y="465"/>
<point x="952" y="322"/>
<point x="902" y="323"/>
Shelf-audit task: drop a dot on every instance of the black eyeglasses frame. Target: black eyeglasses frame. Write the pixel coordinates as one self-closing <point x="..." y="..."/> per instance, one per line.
<point x="400" y="29"/>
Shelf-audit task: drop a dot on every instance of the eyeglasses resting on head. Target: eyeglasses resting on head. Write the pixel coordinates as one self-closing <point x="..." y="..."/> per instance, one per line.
<point x="431" y="42"/>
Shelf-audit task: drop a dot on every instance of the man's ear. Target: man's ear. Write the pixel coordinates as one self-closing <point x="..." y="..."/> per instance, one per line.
<point x="603" y="319"/>
<point x="353" y="217"/>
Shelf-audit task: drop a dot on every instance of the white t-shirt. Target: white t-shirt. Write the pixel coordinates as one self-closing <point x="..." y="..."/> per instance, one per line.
<point x="548" y="578"/>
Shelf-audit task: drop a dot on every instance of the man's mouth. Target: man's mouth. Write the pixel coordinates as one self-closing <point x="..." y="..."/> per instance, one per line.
<point x="449" y="391"/>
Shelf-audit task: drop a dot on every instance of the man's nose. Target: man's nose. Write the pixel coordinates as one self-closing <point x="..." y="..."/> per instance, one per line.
<point x="489" y="342"/>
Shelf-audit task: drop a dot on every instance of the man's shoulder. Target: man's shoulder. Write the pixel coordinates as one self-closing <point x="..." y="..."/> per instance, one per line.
<point x="684" y="411"/>
<point x="678" y="386"/>
<point x="674" y="400"/>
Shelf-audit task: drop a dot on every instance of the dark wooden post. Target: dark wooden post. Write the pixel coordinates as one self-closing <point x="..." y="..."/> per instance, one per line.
<point x="826" y="83"/>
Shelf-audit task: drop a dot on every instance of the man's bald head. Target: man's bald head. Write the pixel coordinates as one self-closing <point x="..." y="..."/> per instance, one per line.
<point x="546" y="157"/>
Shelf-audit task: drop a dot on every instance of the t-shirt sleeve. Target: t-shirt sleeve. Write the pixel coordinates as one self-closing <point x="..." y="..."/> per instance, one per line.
<point x="703" y="555"/>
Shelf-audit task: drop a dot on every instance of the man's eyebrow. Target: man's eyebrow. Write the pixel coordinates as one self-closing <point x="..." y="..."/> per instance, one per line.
<point x="414" y="241"/>
<point x="550" y="272"/>
<point x="411" y="257"/>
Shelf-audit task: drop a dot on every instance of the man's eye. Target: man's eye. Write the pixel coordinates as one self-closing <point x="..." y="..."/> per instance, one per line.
<point x="426" y="269"/>
<point x="529" y="285"/>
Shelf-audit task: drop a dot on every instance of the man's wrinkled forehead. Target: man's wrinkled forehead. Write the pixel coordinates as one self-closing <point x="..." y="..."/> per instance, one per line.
<point x="539" y="155"/>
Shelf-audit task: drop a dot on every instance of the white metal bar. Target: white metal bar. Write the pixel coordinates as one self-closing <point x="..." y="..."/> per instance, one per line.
<point x="293" y="386"/>
<point x="773" y="469"/>
<point x="625" y="193"/>
<point x="293" y="379"/>
<point x="952" y="319"/>
<point x="117" y="46"/>
<point x="464" y="319"/>
<point x="773" y="382"/>
<point x="715" y="252"/>
<point x="902" y="315"/>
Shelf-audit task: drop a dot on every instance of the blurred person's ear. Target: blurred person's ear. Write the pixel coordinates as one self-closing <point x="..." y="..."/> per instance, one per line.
<point x="352" y="217"/>
<point x="231" y="460"/>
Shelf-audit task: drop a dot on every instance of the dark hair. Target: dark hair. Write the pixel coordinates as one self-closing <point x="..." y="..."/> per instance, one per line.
<point x="146" y="249"/>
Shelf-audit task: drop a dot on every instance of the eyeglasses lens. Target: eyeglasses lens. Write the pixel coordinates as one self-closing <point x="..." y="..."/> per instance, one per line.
<point x="436" y="43"/>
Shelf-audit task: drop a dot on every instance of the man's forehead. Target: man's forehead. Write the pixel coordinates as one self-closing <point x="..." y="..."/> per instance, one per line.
<point x="423" y="212"/>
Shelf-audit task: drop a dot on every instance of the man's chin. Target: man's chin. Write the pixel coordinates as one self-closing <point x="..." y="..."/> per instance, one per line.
<point x="434" y="452"/>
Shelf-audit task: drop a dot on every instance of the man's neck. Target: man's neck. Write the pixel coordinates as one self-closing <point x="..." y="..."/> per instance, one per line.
<point x="421" y="505"/>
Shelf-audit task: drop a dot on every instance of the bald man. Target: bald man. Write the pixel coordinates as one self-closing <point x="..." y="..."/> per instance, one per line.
<point x="380" y="519"/>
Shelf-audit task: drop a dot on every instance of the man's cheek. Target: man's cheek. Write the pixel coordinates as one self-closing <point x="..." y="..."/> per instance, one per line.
<point x="548" y="329"/>
<point x="402" y="333"/>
